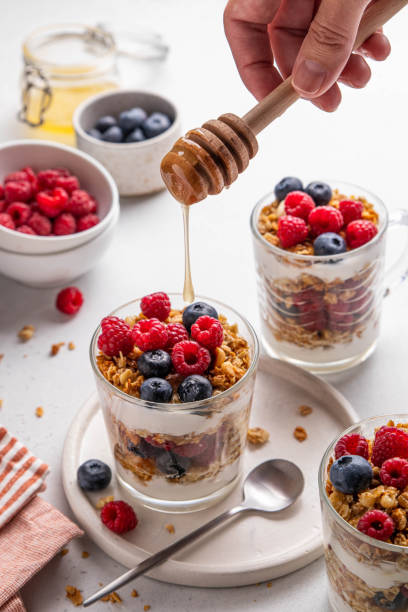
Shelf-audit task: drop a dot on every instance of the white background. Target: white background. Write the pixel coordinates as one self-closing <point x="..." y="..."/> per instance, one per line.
<point x="363" y="142"/>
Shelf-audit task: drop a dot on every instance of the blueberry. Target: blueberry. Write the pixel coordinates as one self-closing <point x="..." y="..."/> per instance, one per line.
<point x="195" y="311"/>
<point x="131" y="119"/>
<point x="154" y="363"/>
<point x="172" y="465"/>
<point x="95" y="133"/>
<point x="156" y="390"/>
<point x="94" y="475"/>
<point x="286" y="185"/>
<point x="395" y="604"/>
<point x="351" y="474"/>
<point x="329" y="244"/>
<point x="156" y="124"/>
<point x="136" y="135"/>
<point x="143" y="449"/>
<point x="194" y="388"/>
<point x="105" y="123"/>
<point x="113" y="134"/>
<point x="320" y="192"/>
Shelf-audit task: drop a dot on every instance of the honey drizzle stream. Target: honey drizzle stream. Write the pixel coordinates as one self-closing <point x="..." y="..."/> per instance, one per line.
<point x="188" y="291"/>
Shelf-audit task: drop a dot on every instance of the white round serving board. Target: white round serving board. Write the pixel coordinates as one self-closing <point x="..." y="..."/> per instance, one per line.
<point x="248" y="549"/>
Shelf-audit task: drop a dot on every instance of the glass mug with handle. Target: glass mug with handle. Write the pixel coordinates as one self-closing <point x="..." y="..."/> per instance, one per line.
<point x="342" y="293"/>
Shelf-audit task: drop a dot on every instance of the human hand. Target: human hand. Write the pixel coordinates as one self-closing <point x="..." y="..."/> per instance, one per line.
<point x="310" y="39"/>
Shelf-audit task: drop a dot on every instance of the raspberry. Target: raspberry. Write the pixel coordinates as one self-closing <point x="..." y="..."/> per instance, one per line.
<point x="299" y="204"/>
<point x="30" y="174"/>
<point x="394" y="473"/>
<point x="118" y="516"/>
<point x="64" y="224"/>
<point x="351" y="210"/>
<point x="86" y="222"/>
<point x="194" y="449"/>
<point x="177" y="333"/>
<point x="52" y="203"/>
<point x="69" y="183"/>
<point x="16" y="176"/>
<point x="116" y="337"/>
<point x="389" y="442"/>
<point x="149" y="334"/>
<point x="325" y="219"/>
<point x="69" y="300"/>
<point x="190" y="358"/>
<point x="20" y="212"/>
<point x="376" y="524"/>
<point x="47" y="179"/>
<point x="25" y="229"/>
<point x="208" y="332"/>
<point x="81" y="203"/>
<point x="167" y="445"/>
<point x="313" y="321"/>
<point x="7" y="221"/>
<point x="351" y="444"/>
<point x="156" y="305"/>
<point x="3" y="205"/>
<point x="62" y="171"/>
<point x="291" y="231"/>
<point x="40" y="224"/>
<point x="18" y="191"/>
<point x="360" y="232"/>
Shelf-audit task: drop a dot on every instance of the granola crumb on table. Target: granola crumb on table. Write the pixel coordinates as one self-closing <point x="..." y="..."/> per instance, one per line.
<point x="134" y="593"/>
<point x="102" y="501"/>
<point x="64" y="552"/>
<point x="300" y="434"/>
<point x="305" y="410"/>
<point x="55" y="348"/>
<point x="112" y="598"/>
<point x="71" y="346"/>
<point x="74" y="595"/>
<point x="84" y="554"/>
<point x="26" y="332"/>
<point x="39" y="412"/>
<point x="257" y="435"/>
<point x="170" y="528"/>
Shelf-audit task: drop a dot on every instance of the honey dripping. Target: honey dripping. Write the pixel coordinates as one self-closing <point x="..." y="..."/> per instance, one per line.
<point x="188" y="291"/>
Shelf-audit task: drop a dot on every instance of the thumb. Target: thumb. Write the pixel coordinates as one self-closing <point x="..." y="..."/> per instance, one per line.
<point x="327" y="46"/>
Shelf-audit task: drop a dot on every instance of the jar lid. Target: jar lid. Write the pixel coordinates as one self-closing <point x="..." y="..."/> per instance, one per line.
<point x="140" y="43"/>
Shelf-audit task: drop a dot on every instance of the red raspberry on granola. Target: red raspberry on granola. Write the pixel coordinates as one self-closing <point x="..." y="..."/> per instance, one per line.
<point x="116" y="337"/>
<point x="150" y="334"/>
<point x="351" y="444"/>
<point x="389" y="442"/>
<point x="376" y="524"/>
<point x="325" y="219"/>
<point x="177" y="333"/>
<point x="190" y="358"/>
<point x="291" y="231"/>
<point x="299" y="204"/>
<point x="208" y="332"/>
<point x="360" y="232"/>
<point x="351" y="210"/>
<point x="394" y="473"/>
<point x="156" y="305"/>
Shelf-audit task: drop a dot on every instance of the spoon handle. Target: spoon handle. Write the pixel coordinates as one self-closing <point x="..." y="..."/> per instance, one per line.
<point x="163" y="555"/>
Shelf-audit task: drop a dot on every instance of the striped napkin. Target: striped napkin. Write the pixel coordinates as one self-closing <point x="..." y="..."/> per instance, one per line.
<point x="32" y="531"/>
<point x="21" y="476"/>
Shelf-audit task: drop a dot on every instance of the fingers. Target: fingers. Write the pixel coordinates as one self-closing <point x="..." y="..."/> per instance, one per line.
<point x="356" y="72"/>
<point x="330" y="100"/>
<point x="246" y="29"/>
<point x="327" y="46"/>
<point x="376" y="47"/>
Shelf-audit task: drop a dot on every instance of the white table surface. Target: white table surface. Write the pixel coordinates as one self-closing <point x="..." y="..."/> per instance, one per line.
<point x="363" y="142"/>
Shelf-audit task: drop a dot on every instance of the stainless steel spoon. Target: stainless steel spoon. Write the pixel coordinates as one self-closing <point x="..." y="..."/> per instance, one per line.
<point x="270" y="487"/>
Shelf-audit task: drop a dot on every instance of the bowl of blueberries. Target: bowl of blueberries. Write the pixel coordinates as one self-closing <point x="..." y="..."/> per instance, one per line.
<point x="128" y="131"/>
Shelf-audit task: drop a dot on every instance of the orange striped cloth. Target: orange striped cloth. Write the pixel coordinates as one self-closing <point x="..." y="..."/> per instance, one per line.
<point x="32" y="531"/>
<point x="21" y="475"/>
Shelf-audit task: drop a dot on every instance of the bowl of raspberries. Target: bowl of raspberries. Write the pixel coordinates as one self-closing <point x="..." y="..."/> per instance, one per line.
<point x="129" y="132"/>
<point x="58" y="209"/>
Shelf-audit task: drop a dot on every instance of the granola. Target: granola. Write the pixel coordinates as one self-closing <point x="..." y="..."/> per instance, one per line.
<point x="26" y="333"/>
<point x="74" y="595"/>
<point x="257" y="435"/>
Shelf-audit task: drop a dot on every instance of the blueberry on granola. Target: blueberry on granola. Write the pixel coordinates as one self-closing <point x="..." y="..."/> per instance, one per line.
<point x="195" y="311"/>
<point x="320" y="192"/>
<point x="329" y="243"/>
<point x="156" y="390"/>
<point x="350" y="474"/>
<point x="94" y="475"/>
<point x="194" y="388"/>
<point x="172" y="465"/>
<point x="154" y="364"/>
<point x="286" y="185"/>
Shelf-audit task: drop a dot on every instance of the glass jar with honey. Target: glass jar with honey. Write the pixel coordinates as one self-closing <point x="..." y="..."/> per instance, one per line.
<point x="64" y="65"/>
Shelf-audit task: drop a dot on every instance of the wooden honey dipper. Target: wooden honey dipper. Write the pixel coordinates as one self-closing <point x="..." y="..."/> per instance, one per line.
<point x="209" y="158"/>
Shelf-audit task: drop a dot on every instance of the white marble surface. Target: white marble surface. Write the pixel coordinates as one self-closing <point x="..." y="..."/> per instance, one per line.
<point x="363" y="143"/>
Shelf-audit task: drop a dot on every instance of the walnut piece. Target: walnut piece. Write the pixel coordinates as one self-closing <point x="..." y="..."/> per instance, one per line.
<point x="300" y="433"/>
<point x="257" y="435"/>
<point x="305" y="410"/>
<point x="102" y="501"/>
<point x="26" y="332"/>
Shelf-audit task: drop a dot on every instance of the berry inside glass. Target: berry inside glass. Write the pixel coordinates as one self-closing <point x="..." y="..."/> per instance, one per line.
<point x="175" y="384"/>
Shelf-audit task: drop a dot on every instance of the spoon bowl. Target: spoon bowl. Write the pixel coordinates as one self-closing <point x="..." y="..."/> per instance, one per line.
<point x="273" y="486"/>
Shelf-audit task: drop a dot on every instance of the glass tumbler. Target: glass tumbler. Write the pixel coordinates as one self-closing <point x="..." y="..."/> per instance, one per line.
<point x="146" y="436"/>
<point x="322" y="312"/>
<point x="364" y="574"/>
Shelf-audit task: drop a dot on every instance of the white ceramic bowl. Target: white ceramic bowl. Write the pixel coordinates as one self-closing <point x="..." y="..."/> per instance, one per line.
<point x="41" y="154"/>
<point x="134" y="166"/>
<point x="50" y="261"/>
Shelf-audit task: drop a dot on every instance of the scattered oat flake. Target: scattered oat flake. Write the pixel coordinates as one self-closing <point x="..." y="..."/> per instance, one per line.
<point x="71" y="346"/>
<point x="146" y="607"/>
<point x="257" y="435"/>
<point x="305" y="410"/>
<point x="26" y="332"/>
<point x="39" y="412"/>
<point x="85" y="554"/>
<point x="134" y="593"/>
<point x="55" y="348"/>
<point x="300" y="434"/>
<point x="74" y="595"/>
<point x="64" y="552"/>
<point x="102" y="501"/>
<point x="170" y="528"/>
<point x="112" y="597"/>
<point x="269" y="584"/>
